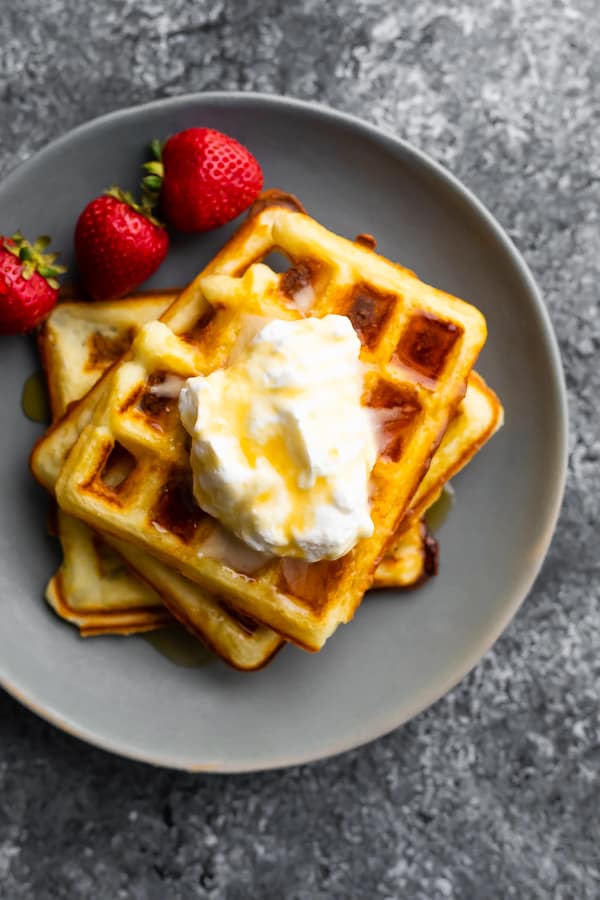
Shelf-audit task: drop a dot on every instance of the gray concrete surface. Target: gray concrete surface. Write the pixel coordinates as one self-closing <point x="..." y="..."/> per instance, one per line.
<point x="494" y="792"/>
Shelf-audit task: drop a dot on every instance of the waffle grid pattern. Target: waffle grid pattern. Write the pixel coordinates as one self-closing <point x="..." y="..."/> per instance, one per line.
<point x="418" y="346"/>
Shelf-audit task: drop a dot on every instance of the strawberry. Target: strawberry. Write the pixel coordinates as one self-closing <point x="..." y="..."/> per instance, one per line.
<point x="204" y="177"/>
<point x="28" y="285"/>
<point x="118" y="244"/>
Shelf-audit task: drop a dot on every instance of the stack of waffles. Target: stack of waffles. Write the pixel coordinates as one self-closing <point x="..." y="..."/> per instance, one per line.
<point x="138" y="550"/>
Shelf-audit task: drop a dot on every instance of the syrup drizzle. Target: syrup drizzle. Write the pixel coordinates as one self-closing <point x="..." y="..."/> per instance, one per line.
<point x="34" y="399"/>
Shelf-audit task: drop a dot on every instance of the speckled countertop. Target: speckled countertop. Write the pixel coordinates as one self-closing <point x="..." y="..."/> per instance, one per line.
<point x="495" y="791"/>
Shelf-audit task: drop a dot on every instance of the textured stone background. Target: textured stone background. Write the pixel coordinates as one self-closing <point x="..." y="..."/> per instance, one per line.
<point x="494" y="792"/>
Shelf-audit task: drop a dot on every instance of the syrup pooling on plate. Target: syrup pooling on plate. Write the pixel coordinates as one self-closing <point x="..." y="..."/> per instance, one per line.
<point x="34" y="399"/>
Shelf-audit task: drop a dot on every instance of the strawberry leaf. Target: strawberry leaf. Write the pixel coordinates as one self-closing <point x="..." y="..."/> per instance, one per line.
<point x="152" y="182"/>
<point x="156" y="148"/>
<point x="33" y="258"/>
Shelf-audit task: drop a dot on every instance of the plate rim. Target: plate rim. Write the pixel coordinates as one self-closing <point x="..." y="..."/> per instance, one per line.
<point x="556" y="489"/>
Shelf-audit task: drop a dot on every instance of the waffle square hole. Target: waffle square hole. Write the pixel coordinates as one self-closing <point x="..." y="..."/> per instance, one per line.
<point x="369" y="310"/>
<point x="160" y="394"/>
<point x="426" y="344"/>
<point x="119" y="465"/>
<point x="300" y="285"/>
<point x="109" y="563"/>
<point x="176" y="509"/>
<point x="103" y="349"/>
<point x="395" y="410"/>
<point x="301" y="280"/>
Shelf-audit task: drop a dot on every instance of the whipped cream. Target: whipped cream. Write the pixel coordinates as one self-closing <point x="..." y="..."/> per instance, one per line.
<point x="282" y="449"/>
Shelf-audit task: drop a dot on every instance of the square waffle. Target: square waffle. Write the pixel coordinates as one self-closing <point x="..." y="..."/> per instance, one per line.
<point x="129" y="472"/>
<point x="92" y="588"/>
<point x="79" y="341"/>
<point x="412" y="555"/>
<point x="477" y="418"/>
<point x="95" y="587"/>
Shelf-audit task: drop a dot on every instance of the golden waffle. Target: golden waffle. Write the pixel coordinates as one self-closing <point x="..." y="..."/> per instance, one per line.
<point x="95" y="591"/>
<point x="106" y="329"/>
<point x="92" y="581"/>
<point x="78" y="341"/>
<point x="93" y="588"/>
<point x="129" y="472"/>
<point x="412" y="555"/>
<point x="477" y="418"/>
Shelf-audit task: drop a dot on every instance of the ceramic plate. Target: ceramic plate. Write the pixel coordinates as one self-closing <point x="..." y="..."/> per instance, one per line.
<point x="403" y="650"/>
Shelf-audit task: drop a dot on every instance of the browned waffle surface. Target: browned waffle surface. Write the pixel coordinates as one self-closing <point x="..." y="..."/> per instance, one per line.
<point x="78" y="341"/>
<point x="93" y="589"/>
<point x="418" y="347"/>
<point x="96" y="587"/>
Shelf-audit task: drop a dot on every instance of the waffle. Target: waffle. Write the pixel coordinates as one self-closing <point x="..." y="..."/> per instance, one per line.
<point x="87" y="590"/>
<point x="477" y="418"/>
<point x="95" y="587"/>
<point x="79" y="341"/>
<point x="412" y="555"/>
<point x="95" y="591"/>
<point x="129" y="473"/>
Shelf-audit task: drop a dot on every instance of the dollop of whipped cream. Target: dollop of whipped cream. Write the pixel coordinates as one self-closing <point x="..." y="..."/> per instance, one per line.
<point x="282" y="449"/>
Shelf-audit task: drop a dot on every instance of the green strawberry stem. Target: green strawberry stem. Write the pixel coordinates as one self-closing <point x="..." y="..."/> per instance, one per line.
<point x="151" y="187"/>
<point x="156" y="149"/>
<point x="34" y="259"/>
<point x="152" y="182"/>
<point x="145" y="207"/>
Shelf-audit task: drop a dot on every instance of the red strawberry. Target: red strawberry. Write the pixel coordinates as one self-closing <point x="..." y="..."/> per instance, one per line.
<point x="118" y="245"/>
<point x="207" y="177"/>
<point x="28" y="285"/>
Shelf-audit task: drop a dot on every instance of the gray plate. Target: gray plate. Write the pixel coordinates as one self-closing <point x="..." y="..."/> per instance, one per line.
<point x="402" y="651"/>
